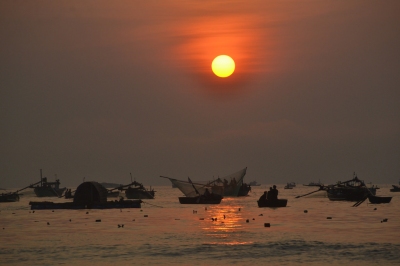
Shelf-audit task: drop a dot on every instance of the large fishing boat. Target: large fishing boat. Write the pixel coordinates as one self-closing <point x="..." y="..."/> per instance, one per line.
<point x="228" y="186"/>
<point x="351" y="190"/>
<point x="48" y="189"/>
<point x="135" y="190"/>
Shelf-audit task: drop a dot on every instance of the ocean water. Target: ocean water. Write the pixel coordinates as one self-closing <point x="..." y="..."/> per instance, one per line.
<point x="164" y="232"/>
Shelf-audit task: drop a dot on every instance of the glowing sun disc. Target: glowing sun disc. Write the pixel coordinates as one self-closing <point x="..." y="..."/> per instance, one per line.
<point x="223" y="66"/>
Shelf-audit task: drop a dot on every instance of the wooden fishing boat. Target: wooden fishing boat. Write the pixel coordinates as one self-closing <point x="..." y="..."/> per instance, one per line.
<point x="351" y="190"/>
<point x="88" y="195"/>
<point x="290" y="185"/>
<point x="272" y="203"/>
<point x="9" y="197"/>
<point x="395" y="188"/>
<point x="48" y="189"/>
<point x="379" y="200"/>
<point x="228" y="186"/>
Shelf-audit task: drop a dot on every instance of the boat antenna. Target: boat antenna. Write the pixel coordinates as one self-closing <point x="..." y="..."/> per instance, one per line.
<point x="84" y="179"/>
<point x="41" y="180"/>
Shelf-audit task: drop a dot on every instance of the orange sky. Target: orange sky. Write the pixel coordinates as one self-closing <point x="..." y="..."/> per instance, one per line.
<point x="100" y="89"/>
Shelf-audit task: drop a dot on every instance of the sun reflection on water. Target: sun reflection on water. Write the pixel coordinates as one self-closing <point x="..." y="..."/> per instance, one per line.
<point x="225" y="225"/>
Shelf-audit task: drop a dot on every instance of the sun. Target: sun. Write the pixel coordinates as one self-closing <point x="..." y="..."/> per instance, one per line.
<point x="223" y="66"/>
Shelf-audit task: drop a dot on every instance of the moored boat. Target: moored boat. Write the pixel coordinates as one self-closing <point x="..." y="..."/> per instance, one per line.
<point x="395" y="188"/>
<point x="379" y="200"/>
<point x="351" y="190"/>
<point x="314" y="184"/>
<point x="228" y="186"/>
<point x="88" y="195"/>
<point x="9" y="197"/>
<point x="290" y="185"/>
<point x="254" y="184"/>
<point x="48" y="189"/>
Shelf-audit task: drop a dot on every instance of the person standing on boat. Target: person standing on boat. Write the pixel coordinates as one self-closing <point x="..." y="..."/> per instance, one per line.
<point x="270" y="194"/>
<point x="275" y="193"/>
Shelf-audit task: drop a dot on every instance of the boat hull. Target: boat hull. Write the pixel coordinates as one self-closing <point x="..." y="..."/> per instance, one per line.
<point x="46" y="205"/>
<point x="49" y="191"/>
<point x="272" y="203"/>
<point x="379" y="200"/>
<point x="137" y="193"/>
<point x="395" y="188"/>
<point x="9" y="197"/>
<point x="216" y="199"/>
<point x="349" y="194"/>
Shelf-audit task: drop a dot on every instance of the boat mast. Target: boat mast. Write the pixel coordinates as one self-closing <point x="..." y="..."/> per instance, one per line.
<point x="41" y="179"/>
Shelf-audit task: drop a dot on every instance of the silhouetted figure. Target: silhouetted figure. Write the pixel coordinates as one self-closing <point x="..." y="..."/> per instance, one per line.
<point x="270" y="194"/>
<point x="263" y="196"/>
<point x="275" y="193"/>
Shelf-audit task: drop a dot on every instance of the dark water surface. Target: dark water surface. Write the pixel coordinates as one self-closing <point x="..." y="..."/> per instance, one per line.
<point x="186" y="234"/>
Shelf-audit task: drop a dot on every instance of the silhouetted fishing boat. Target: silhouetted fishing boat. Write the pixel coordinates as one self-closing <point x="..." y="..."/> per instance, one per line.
<point x="228" y="186"/>
<point x="272" y="203"/>
<point x="254" y="184"/>
<point x="290" y="185"/>
<point x="13" y="196"/>
<point x="88" y="195"/>
<point x="395" y="188"/>
<point x="9" y="197"/>
<point x="48" y="189"/>
<point x="314" y="184"/>
<point x="135" y="190"/>
<point x="379" y="200"/>
<point x="351" y="190"/>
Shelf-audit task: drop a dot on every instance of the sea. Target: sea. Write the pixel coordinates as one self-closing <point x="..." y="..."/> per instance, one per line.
<point x="311" y="230"/>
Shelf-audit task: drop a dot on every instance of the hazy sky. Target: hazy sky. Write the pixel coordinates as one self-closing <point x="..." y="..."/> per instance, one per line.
<point x="99" y="89"/>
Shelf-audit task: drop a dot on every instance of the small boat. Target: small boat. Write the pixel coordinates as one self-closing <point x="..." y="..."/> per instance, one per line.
<point x="272" y="203"/>
<point x="201" y="199"/>
<point x="48" y="189"/>
<point x="395" y="188"/>
<point x="378" y="200"/>
<point x="88" y="195"/>
<point x="314" y="184"/>
<point x="254" y="184"/>
<point x="290" y="185"/>
<point x="9" y="197"/>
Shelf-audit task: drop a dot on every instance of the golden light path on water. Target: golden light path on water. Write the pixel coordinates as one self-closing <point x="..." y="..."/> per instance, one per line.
<point x="227" y="220"/>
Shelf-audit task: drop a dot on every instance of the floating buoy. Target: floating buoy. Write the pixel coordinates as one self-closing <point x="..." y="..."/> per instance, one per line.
<point x="260" y="214"/>
<point x="201" y="218"/>
<point x="146" y="215"/>
<point x="239" y="209"/>
<point x="70" y="220"/>
<point x="33" y="212"/>
<point x="87" y="212"/>
<point x="253" y="219"/>
<point x="48" y="223"/>
<point x="98" y="220"/>
<point x="141" y="210"/>
<point x="52" y="211"/>
<point x="384" y="220"/>
<point x="305" y="211"/>
<point x="247" y="220"/>
<point x="205" y="208"/>
<point x="133" y="220"/>
<point x="176" y="219"/>
<point x="329" y="217"/>
<point x="374" y="209"/>
<point x="267" y="225"/>
<point x="224" y="216"/>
